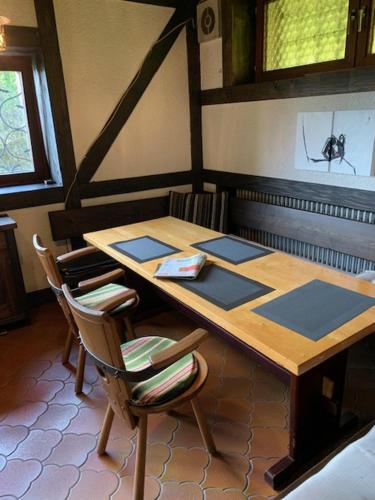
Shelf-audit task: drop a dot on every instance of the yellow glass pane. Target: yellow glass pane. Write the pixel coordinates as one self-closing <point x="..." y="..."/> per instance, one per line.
<point x="372" y="33"/>
<point x="299" y="32"/>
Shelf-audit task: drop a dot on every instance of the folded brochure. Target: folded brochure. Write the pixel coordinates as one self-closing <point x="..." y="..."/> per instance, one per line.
<point x="183" y="268"/>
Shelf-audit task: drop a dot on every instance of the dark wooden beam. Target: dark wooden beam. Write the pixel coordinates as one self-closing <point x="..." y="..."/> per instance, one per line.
<point x="347" y="236"/>
<point x="161" y="3"/>
<point x="73" y="223"/>
<point x="135" y="91"/>
<point x="361" y="79"/>
<point x="344" y="197"/>
<point x="33" y="195"/>
<point x="22" y="37"/>
<point x="133" y="184"/>
<point x="55" y="77"/>
<point x="194" y="73"/>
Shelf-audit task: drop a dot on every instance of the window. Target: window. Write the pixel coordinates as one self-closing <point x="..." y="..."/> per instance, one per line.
<point x="22" y="154"/>
<point x="296" y="37"/>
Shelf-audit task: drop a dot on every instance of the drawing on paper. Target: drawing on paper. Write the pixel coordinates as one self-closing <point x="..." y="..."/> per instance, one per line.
<point x="336" y="141"/>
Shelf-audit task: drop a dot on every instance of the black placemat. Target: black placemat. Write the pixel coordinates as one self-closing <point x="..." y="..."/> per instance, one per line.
<point x="232" y="249"/>
<point x="224" y="288"/>
<point x="144" y="248"/>
<point x="315" y="309"/>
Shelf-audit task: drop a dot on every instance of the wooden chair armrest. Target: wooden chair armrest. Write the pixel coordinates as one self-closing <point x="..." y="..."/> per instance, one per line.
<point x="76" y="254"/>
<point x="98" y="281"/>
<point x="177" y="351"/>
<point x="116" y="300"/>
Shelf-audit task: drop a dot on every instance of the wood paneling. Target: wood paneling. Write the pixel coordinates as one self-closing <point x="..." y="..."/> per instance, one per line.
<point x="73" y="223"/>
<point x="133" y="184"/>
<point x="344" y="197"/>
<point x="315" y="84"/>
<point x="350" y="237"/>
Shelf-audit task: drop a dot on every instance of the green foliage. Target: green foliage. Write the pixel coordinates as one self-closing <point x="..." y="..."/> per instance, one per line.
<point x="15" y="146"/>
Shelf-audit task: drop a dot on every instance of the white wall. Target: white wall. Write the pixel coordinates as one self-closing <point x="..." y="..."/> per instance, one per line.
<point x="102" y="45"/>
<point x="258" y="138"/>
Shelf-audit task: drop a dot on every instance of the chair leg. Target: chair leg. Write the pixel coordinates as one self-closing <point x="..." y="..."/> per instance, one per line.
<point x="80" y="369"/>
<point x="106" y="429"/>
<point x="203" y="426"/>
<point x="68" y="346"/>
<point x="130" y="333"/>
<point x="140" y="465"/>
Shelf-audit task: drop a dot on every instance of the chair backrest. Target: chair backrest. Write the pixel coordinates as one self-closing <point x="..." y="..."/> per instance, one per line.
<point x="100" y="335"/>
<point x="48" y="262"/>
<point x="205" y="209"/>
<point x="54" y="279"/>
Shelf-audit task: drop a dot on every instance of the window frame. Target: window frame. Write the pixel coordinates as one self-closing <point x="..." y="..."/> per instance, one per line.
<point x="348" y="61"/>
<point x="24" y="65"/>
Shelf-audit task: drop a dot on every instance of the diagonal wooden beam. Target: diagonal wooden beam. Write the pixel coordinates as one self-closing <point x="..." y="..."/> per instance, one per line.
<point x="133" y="94"/>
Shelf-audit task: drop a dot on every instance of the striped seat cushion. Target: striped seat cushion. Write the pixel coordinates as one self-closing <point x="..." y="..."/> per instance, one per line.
<point x="167" y="384"/>
<point x="92" y="299"/>
<point x="205" y="209"/>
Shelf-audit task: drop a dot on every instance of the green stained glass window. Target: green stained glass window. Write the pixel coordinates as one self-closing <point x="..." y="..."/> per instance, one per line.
<point x="300" y="32"/>
<point x="15" y="145"/>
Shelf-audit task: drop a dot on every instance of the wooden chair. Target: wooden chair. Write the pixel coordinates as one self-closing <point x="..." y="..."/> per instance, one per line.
<point x="92" y="292"/>
<point x="143" y="376"/>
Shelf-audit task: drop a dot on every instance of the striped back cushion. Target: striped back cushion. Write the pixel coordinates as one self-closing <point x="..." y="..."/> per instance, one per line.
<point x="205" y="209"/>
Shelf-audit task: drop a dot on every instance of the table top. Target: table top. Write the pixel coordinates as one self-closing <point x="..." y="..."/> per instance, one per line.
<point x="277" y="270"/>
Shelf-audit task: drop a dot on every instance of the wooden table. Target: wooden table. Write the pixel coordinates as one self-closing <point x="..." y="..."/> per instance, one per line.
<point x="314" y="370"/>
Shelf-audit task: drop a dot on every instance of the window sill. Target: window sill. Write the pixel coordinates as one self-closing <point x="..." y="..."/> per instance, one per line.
<point x="30" y="195"/>
<point x="361" y="79"/>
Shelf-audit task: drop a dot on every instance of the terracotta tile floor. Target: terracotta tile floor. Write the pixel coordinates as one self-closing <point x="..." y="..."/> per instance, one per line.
<point x="48" y="434"/>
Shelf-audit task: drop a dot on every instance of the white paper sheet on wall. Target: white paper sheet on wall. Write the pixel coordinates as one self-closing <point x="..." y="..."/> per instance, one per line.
<point x="336" y="141"/>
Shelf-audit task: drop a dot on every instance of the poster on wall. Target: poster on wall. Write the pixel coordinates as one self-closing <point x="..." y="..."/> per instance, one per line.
<point x="340" y="142"/>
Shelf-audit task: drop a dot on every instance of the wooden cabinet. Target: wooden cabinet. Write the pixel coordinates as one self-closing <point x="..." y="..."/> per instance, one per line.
<point x="12" y="289"/>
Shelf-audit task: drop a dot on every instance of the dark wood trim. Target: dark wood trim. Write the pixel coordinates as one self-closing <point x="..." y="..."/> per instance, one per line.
<point x="160" y="3"/>
<point x="238" y="47"/>
<point x="317" y="229"/>
<point x="75" y="222"/>
<point x="194" y="74"/>
<point x="24" y="65"/>
<point x="55" y="77"/>
<point x="344" y="197"/>
<point x="30" y="196"/>
<point x="134" y="184"/>
<point x="361" y="79"/>
<point x="22" y="37"/>
<point x="133" y="94"/>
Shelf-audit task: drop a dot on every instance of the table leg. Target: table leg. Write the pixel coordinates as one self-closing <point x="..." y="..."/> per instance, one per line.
<point x="316" y="418"/>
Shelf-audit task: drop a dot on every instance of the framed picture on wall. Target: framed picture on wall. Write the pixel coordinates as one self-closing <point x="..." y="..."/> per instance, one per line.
<point x="340" y="142"/>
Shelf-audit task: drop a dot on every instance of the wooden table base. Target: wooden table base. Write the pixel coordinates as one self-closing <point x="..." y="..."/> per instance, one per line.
<point x="316" y="419"/>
